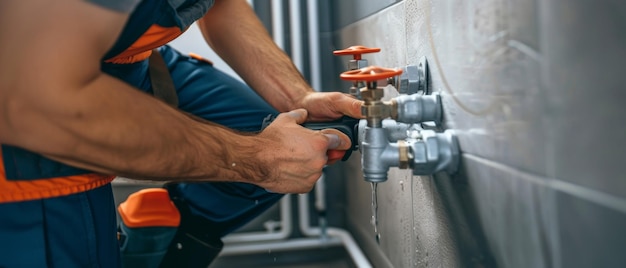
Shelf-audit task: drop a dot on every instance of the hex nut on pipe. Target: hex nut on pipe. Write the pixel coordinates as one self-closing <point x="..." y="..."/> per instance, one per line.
<point x="434" y="153"/>
<point x="409" y="81"/>
<point x="375" y="94"/>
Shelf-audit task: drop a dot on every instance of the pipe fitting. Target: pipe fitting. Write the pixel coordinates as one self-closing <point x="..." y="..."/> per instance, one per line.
<point x="377" y="155"/>
<point x="357" y="64"/>
<point x="404" y="154"/>
<point x="393" y="130"/>
<point x="418" y="108"/>
<point x="373" y="108"/>
<point x="414" y="79"/>
<point x="434" y="152"/>
<point x="408" y="82"/>
<point x="372" y="94"/>
<point x="354" y="91"/>
<point x="426" y="154"/>
<point x="356" y="85"/>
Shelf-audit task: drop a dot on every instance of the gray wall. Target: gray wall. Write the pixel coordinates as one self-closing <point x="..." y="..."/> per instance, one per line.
<point x="535" y="91"/>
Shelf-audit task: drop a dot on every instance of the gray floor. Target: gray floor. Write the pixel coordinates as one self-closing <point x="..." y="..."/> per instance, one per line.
<point x="334" y="257"/>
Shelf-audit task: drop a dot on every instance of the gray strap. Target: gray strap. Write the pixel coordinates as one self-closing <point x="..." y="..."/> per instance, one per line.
<point x="162" y="83"/>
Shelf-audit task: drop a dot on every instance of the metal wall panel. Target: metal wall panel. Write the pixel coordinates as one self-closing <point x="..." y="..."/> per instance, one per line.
<point x="535" y="91"/>
<point x="349" y="11"/>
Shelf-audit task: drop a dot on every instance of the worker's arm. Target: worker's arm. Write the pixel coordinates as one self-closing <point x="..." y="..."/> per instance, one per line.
<point x="54" y="100"/>
<point x="232" y="29"/>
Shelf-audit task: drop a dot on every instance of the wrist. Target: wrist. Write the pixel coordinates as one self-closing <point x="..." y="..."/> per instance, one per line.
<point x="300" y="100"/>
<point x="249" y="158"/>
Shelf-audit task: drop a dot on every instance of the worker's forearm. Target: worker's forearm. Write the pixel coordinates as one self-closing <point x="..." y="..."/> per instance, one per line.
<point x="54" y="100"/>
<point x="109" y="127"/>
<point x="253" y="54"/>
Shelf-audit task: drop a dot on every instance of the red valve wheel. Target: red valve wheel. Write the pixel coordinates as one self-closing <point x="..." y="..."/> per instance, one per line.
<point x="370" y="73"/>
<point x="356" y="51"/>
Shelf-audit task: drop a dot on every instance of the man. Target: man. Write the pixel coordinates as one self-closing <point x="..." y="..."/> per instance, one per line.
<point x="74" y="112"/>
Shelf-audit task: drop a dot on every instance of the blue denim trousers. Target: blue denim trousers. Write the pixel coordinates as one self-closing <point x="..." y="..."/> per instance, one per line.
<point x="208" y="93"/>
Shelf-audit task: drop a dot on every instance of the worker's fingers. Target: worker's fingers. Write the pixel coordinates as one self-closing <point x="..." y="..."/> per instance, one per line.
<point x="324" y="106"/>
<point x="347" y="105"/>
<point x="297" y="116"/>
<point x="338" y="143"/>
<point x="336" y="139"/>
<point x="333" y="141"/>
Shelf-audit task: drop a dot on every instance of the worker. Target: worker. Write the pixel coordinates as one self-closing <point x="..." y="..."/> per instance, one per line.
<point x="77" y="109"/>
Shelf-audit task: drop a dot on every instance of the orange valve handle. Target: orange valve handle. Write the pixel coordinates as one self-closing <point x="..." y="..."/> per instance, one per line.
<point x="370" y="73"/>
<point x="356" y="51"/>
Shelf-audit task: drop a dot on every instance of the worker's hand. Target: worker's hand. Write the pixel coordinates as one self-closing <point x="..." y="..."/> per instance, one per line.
<point x="296" y="155"/>
<point x="325" y="106"/>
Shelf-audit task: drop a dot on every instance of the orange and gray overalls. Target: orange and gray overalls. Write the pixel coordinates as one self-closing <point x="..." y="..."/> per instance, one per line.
<point x="55" y="215"/>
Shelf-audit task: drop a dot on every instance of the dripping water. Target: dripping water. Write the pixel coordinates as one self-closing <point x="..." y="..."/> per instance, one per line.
<point x="375" y="211"/>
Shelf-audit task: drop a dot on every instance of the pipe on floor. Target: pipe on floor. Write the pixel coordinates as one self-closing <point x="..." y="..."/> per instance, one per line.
<point x="281" y="245"/>
<point x="346" y="239"/>
<point x="286" y="227"/>
<point x="250" y="243"/>
<point x="335" y="237"/>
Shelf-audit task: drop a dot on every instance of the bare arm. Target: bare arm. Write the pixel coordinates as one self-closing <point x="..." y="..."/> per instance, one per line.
<point x="55" y="101"/>
<point x="232" y="29"/>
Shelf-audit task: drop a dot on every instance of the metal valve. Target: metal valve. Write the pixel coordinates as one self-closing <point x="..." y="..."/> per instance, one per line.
<point x="415" y="108"/>
<point x="357" y="62"/>
<point x="425" y="153"/>
<point x="374" y="109"/>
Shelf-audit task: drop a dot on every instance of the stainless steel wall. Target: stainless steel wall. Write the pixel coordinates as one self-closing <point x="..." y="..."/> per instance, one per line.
<point x="535" y="90"/>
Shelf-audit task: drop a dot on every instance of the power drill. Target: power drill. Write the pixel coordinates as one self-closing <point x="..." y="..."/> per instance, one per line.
<point x="347" y="125"/>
